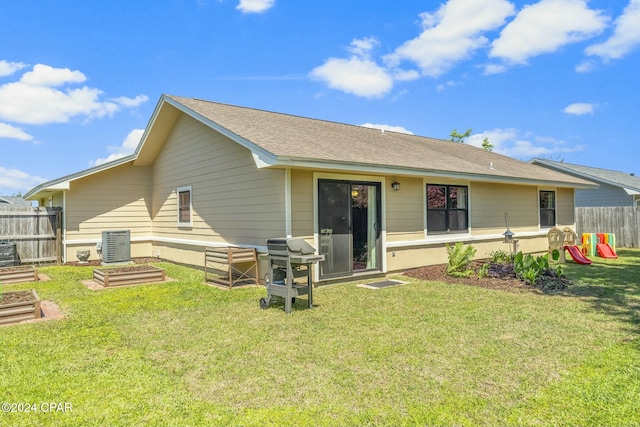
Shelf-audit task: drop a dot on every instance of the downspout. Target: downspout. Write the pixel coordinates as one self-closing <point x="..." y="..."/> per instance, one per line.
<point x="287" y="203"/>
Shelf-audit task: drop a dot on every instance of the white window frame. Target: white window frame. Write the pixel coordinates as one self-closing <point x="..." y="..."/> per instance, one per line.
<point x="180" y="190"/>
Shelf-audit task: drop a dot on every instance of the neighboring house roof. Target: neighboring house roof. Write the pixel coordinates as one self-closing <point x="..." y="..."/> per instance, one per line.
<point x="283" y="140"/>
<point x="628" y="182"/>
<point x="14" y="201"/>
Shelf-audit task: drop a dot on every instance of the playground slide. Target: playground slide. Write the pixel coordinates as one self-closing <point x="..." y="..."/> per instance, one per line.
<point x="605" y="250"/>
<point x="577" y="256"/>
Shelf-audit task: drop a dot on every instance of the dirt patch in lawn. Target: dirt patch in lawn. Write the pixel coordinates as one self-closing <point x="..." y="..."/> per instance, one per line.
<point x="500" y="278"/>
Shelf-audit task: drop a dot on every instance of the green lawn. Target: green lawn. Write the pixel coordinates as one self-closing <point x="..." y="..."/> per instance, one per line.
<point x="183" y="353"/>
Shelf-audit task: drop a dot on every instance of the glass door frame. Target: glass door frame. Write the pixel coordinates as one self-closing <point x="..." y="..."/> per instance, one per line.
<point x="380" y="212"/>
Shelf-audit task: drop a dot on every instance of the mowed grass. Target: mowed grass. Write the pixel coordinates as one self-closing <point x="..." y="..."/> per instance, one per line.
<point x="424" y="353"/>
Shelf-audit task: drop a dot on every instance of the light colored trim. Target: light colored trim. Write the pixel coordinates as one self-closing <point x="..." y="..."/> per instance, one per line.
<point x="631" y="192"/>
<point x="185" y="189"/>
<point x="349" y="167"/>
<point x="458" y="238"/>
<point x="189" y="242"/>
<point x="98" y="240"/>
<point x="287" y="204"/>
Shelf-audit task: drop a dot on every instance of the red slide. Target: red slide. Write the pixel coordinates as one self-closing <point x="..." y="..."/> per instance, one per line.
<point x="605" y="251"/>
<point x="577" y="256"/>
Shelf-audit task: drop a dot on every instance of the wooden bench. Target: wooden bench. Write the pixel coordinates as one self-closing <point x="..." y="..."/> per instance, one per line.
<point x="230" y="266"/>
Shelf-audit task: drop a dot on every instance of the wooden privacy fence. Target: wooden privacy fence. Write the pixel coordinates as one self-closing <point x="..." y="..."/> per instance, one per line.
<point x="35" y="232"/>
<point x="623" y="221"/>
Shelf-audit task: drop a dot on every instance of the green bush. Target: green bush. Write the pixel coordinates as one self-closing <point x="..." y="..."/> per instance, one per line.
<point x="459" y="258"/>
<point x="483" y="271"/>
<point x="501" y="256"/>
<point x="538" y="272"/>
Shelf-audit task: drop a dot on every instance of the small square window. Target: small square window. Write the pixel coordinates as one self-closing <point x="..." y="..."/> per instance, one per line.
<point x="184" y="206"/>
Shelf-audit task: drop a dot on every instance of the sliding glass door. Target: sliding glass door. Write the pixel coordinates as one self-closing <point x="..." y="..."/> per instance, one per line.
<point x="349" y="226"/>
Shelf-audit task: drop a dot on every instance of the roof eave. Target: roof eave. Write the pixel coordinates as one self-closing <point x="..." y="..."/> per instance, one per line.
<point x="586" y="176"/>
<point x="63" y="183"/>
<point x="292" y="162"/>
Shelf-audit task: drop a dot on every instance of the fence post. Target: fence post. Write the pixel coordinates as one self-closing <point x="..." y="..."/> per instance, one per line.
<point x="58" y="237"/>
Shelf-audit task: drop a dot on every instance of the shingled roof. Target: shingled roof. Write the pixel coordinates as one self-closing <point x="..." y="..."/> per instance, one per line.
<point x="605" y="176"/>
<point x="284" y="140"/>
<point x="295" y="141"/>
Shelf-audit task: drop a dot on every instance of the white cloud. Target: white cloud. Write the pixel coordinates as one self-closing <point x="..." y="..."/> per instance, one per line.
<point x="131" y="102"/>
<point x="36" y="98"/>
<point x="44" y="75"/>
<point x="579" y="108"/>
<point x="585" y="66"/>
<point x="14" y="180"/>
<point x="441" y="87"/>
<point x="7" y="68"/>
<point x="12" y="132"/>
<point x="451" y="34"/>
<point x="255" y="6"/>
<point x="358" y="75"/>
<point x="127" y="147"/>
<point x="626" y="35"/>
<point x="545" y="27"/>
<point x="513" y="143"/>
<point x="390" y="128"/>
<point x="494" y="69"/>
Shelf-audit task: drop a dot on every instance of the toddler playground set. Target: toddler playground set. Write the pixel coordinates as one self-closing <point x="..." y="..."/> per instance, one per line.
<point x="602" y="244"/>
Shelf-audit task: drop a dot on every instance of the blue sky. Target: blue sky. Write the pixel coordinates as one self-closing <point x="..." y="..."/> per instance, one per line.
<point x="551" y="78"/>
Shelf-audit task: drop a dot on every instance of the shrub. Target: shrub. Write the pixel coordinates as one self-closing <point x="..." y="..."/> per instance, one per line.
<point x="501" y="257"/>
<point x="459" y="258"/>
<point x="537" y="272"/>
<point x="483" y="271"/>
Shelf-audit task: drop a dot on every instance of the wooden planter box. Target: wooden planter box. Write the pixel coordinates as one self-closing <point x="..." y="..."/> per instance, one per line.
<point x="25" y="273"/>
<point x="128" y="275"/>
<point x="27" y="309"/>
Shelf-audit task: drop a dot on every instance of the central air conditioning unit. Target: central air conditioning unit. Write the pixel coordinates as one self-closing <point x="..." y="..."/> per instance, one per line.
<point x="116" y="246"/>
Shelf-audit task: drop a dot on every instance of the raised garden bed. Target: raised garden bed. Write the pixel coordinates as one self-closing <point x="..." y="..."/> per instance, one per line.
<point x="127" y="275"/>
<point x="23" y="273"/>
<point x="16" y="306"/>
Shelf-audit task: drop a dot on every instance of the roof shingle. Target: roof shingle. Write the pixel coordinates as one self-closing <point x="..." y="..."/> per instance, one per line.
<point x="293" y="137"/>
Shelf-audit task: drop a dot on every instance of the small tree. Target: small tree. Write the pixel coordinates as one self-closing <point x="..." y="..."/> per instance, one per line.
<point x="459" y="137"/>
<point x="487" y="145"/>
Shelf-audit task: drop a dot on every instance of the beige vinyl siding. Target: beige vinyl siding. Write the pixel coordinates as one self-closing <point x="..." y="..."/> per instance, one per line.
<point x="490" y="201"/>
<point x="405" y="210"/>
<point x="117" y="198"/>
<point x="233" y="202"/>
<point x="565" y="211"/>
<point x="302" y="204"/>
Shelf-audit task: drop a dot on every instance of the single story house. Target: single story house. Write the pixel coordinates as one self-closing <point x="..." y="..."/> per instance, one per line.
<point x="615" y="188"/>
<point x="209" y="174"/>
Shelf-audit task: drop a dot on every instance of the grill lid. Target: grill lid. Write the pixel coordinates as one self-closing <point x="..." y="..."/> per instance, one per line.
<point x="294" y="245"/>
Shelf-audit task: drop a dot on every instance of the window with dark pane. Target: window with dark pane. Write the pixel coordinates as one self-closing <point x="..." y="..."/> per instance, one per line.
<point x="447" y="209"/>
